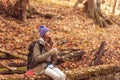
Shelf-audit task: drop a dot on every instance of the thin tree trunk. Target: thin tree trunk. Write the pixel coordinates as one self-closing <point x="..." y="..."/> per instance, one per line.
<point x="114" y="6"/>
<point x="24" y="9"/>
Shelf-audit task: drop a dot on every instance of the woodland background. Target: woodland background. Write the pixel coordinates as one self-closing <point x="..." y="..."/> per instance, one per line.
<point x="72" y="30"/>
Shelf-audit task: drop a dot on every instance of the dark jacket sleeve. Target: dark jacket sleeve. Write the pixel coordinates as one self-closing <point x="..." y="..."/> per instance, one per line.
<point x="54" y="58"/>
<point x="39" y="57"/>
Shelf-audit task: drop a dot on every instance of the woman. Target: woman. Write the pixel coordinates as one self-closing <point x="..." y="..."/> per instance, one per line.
<point x="45" y="56"/>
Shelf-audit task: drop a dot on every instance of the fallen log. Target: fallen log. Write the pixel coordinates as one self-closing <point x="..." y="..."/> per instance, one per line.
<point x="69" y="56"/>
<point x="15" y="55"/>
<point x="67" y="51"/>
<point x="19" y="70"/>
<point x="4" y="56"/>
<point x="72" y="55"/>
<point x="93" y="71"/>
<point x="85" y="73"/>
<point x="63" y="55"/>
<point x="13" y="64"/>
<point x="7" y="67"/>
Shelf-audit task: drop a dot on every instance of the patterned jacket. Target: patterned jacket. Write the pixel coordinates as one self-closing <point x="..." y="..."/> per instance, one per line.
<point x="40" y="55"/>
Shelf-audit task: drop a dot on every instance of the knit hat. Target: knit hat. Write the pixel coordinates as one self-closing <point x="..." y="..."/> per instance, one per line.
<point x="43" y="30"/>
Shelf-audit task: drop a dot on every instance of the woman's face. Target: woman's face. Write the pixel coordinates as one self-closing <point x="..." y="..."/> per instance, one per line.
<point x="48" y="34"/>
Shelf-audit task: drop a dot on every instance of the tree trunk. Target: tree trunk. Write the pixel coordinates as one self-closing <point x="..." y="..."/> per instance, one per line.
<point x="114" y="6"/>
<point x="19" y="9"/>
<point x="2" y="7"/>
<point x="22" y="6"/>
<point x="24" y="9"/>
<point x="92" y="8"/>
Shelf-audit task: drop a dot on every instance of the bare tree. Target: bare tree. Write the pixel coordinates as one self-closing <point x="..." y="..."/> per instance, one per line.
<point x="24" y="9"/>
<point x="19" y="9"/>
<point x="92" y="8"/>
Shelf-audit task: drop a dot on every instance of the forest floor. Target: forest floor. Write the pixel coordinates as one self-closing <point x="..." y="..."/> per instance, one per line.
<point x="73" y="31"/>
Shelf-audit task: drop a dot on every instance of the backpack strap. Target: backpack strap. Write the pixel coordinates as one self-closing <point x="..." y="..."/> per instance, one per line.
<point x="40" y="46"/>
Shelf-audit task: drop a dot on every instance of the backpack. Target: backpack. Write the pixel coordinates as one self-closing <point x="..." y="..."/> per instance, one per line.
<point x="30" y="53"/>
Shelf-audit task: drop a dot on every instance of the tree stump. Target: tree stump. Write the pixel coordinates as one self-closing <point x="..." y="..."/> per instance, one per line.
<point x="98" y="54"/>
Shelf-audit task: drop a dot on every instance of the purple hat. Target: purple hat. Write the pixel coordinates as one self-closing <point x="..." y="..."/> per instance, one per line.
<point x="43" y="30"/>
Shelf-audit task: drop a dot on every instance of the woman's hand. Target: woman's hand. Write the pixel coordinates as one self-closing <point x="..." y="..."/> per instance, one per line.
<point x="54" y="51"/>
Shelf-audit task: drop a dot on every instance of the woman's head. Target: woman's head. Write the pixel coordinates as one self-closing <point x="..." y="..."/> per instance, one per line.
<point x="46" y="35"/>
<point x="44" y="32"/>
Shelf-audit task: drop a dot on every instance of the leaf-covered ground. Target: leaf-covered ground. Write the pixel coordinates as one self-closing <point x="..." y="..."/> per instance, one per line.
<point x="74" y="31"/>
